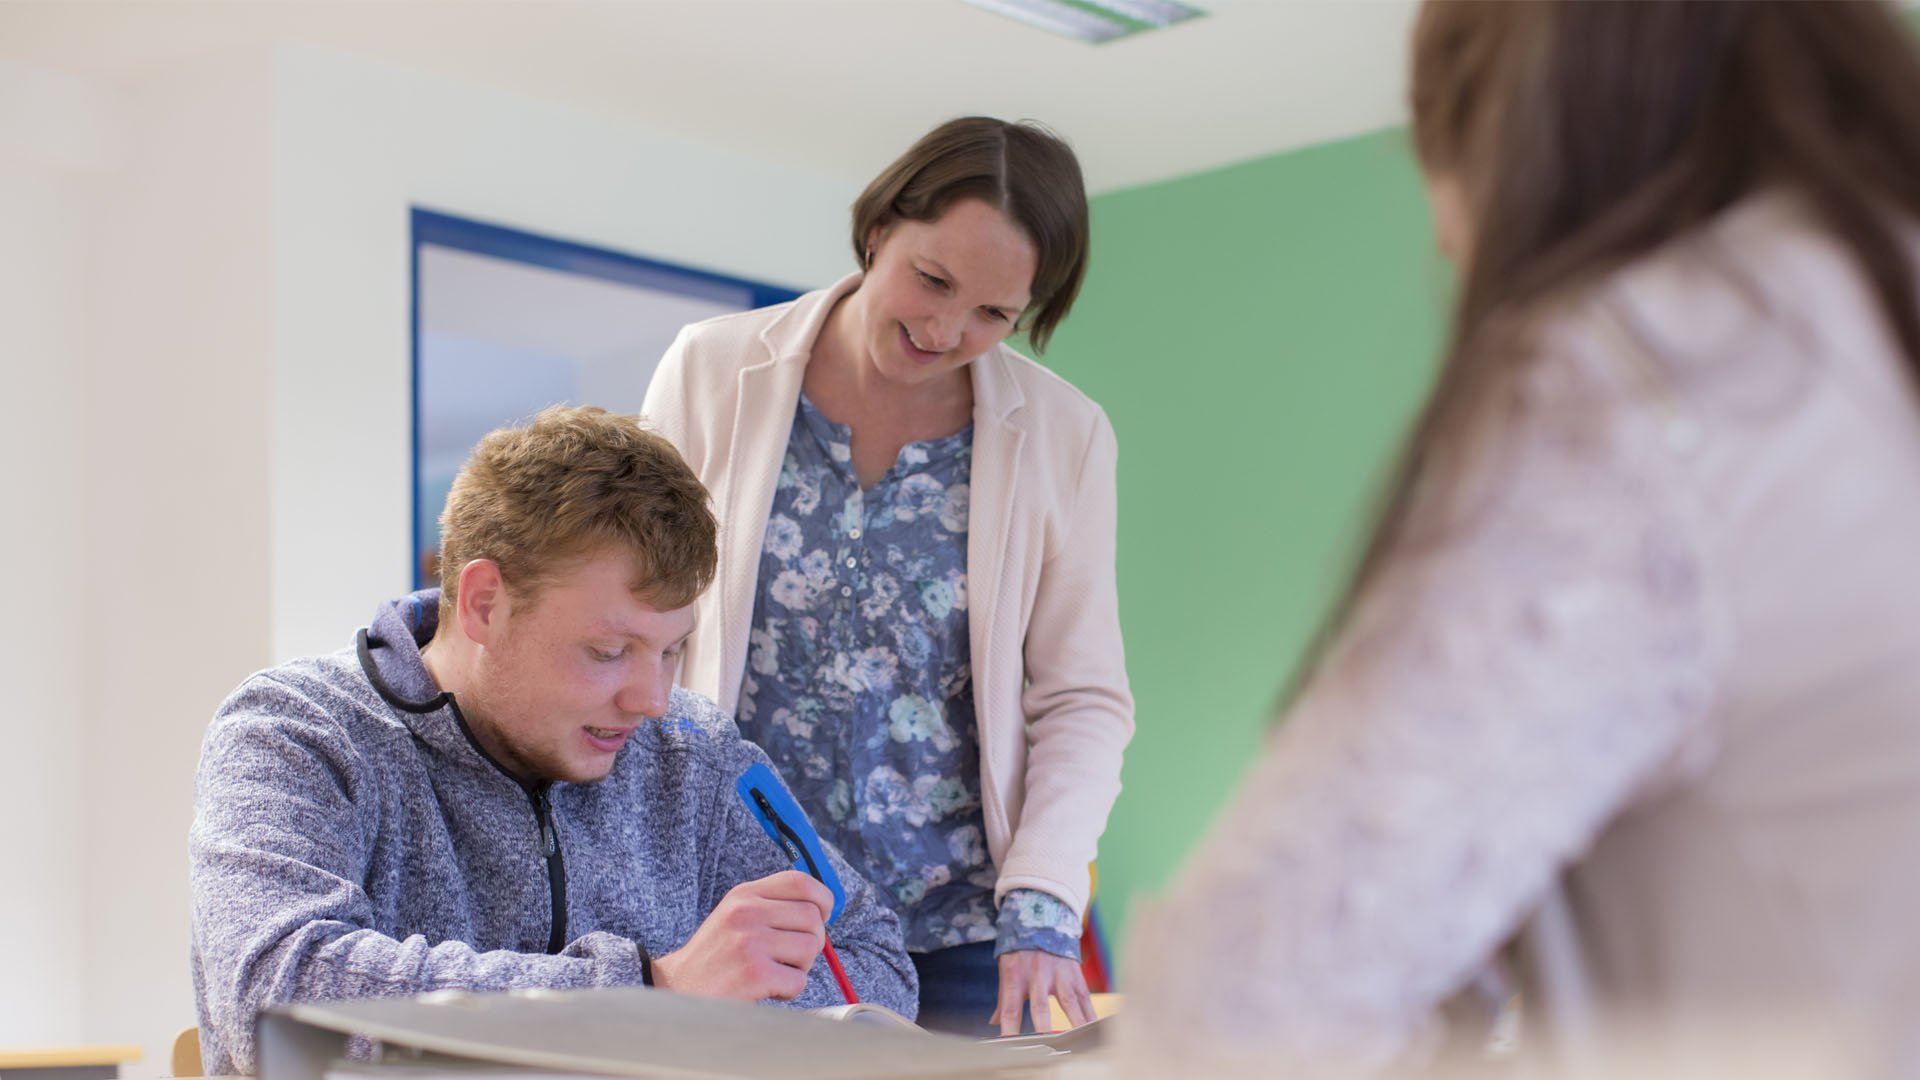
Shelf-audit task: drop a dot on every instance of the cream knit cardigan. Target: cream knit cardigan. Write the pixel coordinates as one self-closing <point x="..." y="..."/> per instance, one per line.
<point x="1050" y="682"/>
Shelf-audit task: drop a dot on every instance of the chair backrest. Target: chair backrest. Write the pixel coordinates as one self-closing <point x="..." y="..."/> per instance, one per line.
<point x="186" y="1053"/>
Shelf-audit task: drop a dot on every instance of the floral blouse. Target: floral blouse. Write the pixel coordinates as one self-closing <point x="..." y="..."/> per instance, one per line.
<point x="859" y="683"/>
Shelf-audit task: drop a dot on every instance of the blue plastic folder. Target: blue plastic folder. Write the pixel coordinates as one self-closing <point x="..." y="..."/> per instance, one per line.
<point x="780" y="818"/>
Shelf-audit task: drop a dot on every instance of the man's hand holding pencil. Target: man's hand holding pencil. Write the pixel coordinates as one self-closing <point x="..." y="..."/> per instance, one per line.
<point x="760" y="942"/>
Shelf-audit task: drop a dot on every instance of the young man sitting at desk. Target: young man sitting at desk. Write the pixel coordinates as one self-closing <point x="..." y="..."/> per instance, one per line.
<point x="500" y="786"/>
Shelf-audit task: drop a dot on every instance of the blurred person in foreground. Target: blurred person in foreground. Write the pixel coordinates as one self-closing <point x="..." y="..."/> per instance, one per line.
<point x="1629" y="674"/>
<point x="500" y="787"/>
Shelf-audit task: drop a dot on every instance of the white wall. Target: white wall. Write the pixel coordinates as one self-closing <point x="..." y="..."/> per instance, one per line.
<point x="51" y="158"/>
<point x="356" y="143"/>
<point x="177" y="547"/>
<point x="204" y="324"/>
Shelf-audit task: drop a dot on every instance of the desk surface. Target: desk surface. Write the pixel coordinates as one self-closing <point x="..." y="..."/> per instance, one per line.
<point x="61" y="1057"/>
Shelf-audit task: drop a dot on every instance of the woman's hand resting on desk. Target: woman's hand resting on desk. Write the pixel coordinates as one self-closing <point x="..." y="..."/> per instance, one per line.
<point x="1028" y="977"/>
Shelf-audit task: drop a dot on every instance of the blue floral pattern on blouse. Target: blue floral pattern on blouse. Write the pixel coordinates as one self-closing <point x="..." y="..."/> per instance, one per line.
<point x="859" y="683"/>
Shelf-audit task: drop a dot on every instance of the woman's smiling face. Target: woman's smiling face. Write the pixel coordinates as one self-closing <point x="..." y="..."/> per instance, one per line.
<point x="937" y="294"/>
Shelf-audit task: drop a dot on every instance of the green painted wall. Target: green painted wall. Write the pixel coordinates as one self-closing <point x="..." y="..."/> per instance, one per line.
<point x="1259" y="335"/>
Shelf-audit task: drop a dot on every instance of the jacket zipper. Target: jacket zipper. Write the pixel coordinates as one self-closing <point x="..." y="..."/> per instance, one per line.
<point x="548" y="838"/>
<point x="556" y="866"/>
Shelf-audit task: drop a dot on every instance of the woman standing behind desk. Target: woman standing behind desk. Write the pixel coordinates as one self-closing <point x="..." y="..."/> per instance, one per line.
<point x="916" y="613"/>
<point x="1631" y="665"/>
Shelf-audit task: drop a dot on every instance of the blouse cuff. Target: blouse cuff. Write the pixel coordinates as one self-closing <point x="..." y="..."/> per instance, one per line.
<point x="1031" y="919"/>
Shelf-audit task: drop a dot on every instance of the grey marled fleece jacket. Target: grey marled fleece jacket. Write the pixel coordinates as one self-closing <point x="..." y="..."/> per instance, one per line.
<point x="351" y="840"/>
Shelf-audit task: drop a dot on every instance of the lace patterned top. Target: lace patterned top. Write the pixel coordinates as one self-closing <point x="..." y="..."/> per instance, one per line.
<point x="859" y="683"/>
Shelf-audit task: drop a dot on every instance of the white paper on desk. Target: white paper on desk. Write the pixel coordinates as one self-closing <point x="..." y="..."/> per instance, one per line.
<point x="1077" y="1040"/>
<point x="866" y="1012"/>
<point x="438" y="1068"/>
<point x="626" y="1032"/>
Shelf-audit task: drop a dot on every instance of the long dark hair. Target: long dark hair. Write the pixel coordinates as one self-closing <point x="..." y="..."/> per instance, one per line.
<point x="1584" y="135"/>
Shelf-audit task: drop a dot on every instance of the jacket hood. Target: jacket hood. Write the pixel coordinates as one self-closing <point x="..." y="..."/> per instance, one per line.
<point x="389" y="651"/>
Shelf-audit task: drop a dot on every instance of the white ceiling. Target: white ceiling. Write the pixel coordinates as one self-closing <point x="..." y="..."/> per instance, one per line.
<point x="835" y="87"/>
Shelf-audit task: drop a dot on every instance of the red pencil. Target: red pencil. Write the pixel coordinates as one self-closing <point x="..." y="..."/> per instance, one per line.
<point x="840" y="975"/>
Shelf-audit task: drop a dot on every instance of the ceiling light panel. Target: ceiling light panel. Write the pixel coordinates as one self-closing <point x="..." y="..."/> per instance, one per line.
<point x="1093" y="21"/>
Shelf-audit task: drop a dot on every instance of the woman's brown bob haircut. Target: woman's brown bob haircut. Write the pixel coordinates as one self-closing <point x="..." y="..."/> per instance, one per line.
<point x="1023" y="170"/>
<point x="574" y="483"/>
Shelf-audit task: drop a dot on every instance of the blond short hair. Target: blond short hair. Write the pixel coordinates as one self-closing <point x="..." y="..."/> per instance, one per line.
<point x="574" y="482"/>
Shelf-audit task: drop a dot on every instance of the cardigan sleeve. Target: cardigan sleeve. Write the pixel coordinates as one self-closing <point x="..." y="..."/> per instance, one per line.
<point x="666" y="410"/>
<point x="1078" y="706"/>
